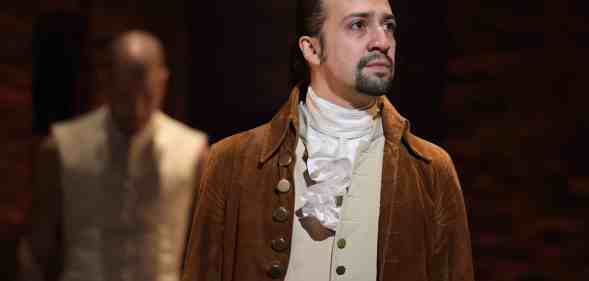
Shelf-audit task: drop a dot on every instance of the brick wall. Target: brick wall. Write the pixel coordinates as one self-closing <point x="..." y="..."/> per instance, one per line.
<point x="518" y="133"/>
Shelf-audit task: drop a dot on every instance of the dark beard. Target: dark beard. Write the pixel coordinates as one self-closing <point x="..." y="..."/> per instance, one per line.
<point x="377" y="85"/>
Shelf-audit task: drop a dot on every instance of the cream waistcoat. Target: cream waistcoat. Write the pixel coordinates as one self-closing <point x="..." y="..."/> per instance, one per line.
<point x="357" y="226"/>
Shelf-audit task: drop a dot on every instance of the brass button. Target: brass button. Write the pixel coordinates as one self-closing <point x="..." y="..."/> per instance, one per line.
<point x="276" y="270"/>
<point x="280" y="214"/>
<point x="285" y="159"/>
<point x="283" y="186"/>
<point x="279" y="244"/>
<point x="341" y="243"/>
<point x="340" y="270"/>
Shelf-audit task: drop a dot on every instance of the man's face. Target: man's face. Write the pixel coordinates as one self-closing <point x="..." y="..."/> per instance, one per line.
<point x="136" y="93"/>
<point x="359" y="45"/>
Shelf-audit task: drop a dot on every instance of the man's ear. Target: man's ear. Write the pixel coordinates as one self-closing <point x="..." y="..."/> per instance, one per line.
<point x="311" y="49"/>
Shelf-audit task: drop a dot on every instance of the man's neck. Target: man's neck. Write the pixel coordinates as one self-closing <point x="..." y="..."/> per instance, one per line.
<point x="129" y="134"/>
<point x="347" y="98"/>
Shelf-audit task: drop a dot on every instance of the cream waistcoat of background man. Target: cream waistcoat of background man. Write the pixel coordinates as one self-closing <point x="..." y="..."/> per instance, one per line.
<point x="126" y="201"/>
<point x="113" y="188"/>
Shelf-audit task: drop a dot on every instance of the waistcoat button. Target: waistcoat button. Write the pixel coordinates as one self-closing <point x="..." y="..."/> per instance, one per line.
<point x="341" y="243"/>
<point x="340" y="270"/>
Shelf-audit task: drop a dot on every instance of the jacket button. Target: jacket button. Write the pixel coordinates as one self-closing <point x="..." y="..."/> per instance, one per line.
<point x="340" y="270"/>
<point x="284" y="160"/>
<point x="279" y="244"/>
<point x="283" y="186"/>
<point x="276" y="270"/>
<point x="341" y="243"/>
<point x="280" y="214"/>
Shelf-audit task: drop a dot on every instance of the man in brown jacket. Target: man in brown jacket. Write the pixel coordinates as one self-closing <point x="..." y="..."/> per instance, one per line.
<point x="335" y="187"/>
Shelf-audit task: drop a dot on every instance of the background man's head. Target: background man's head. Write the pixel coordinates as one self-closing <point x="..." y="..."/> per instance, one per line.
<point x="138" y="79"/>
<point x="348" y="44"/>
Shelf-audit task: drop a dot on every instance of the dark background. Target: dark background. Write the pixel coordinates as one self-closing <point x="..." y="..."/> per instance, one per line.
<point x="500" y="84"/>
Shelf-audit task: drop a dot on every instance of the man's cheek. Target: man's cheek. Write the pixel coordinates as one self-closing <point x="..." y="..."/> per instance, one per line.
<point x="392" y="53"/>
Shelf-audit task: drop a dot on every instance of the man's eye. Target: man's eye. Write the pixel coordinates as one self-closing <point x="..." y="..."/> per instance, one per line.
<point x="390" y="26"/>
<point x="357" y="25"/>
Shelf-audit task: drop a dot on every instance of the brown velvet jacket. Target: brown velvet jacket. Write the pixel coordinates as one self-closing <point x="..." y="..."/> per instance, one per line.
<point x="236" y="234"/>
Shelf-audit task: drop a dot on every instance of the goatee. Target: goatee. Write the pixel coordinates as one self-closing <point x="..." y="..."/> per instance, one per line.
<point x="377" y="84"/>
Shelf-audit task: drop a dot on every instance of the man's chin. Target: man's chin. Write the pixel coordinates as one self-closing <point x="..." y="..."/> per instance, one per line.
<point x="374" y="86"/>
<point x="373" y="94"/>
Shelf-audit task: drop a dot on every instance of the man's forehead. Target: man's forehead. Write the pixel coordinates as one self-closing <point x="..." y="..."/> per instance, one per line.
<point x="343" y="8"/>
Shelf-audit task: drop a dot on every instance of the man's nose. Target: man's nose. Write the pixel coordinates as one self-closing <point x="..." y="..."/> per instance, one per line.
<point x="381" y="40"/>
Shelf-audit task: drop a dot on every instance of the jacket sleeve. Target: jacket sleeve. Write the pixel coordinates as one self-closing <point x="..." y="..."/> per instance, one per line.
<point x="199" y="170"/>
<point x="452" y="258"/>
<point x="204" y="254"/>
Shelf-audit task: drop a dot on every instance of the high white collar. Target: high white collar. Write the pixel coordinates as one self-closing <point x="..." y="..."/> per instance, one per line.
<point x="333" y="137"/>
<point x="337" y="121"/>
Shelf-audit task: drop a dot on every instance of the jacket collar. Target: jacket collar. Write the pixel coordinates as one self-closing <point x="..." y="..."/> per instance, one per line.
<point x="396" y="128"/>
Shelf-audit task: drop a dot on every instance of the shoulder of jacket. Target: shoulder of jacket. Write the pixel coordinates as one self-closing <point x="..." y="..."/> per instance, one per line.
<point x="432" y="153"/>
<point x="246" y="140"/>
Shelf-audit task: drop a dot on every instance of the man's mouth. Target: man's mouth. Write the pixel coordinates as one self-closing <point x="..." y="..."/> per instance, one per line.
<point x="382" y="64"/>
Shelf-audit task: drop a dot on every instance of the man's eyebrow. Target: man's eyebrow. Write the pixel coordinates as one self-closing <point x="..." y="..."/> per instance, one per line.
<point x="368" y="15"/>
<point x="358" y="15"/>
<point x="390" y="17"/>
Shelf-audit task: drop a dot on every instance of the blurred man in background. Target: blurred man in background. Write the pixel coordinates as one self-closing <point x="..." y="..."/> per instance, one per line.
<point x="114" y="187"/>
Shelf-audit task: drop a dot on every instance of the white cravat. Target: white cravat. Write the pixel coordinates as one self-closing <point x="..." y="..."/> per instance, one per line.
<point x="333" y="137"/>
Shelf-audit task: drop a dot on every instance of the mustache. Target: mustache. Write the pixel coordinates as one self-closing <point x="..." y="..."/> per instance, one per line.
<point x="372" y="57"/>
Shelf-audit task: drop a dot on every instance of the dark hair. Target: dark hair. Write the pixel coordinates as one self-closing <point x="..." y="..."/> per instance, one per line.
<point x="310" y="16"/>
